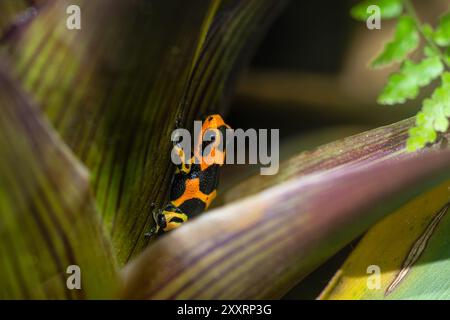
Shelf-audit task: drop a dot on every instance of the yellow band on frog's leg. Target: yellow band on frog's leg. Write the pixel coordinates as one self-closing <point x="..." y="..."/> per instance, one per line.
<point x="170" y="225"/>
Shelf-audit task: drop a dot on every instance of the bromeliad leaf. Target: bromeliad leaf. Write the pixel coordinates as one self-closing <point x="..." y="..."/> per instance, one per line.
<point x="258" y="247"/>
<point x="115" y="94"/>
<point x="412" y="76"/>
<point x="102" y="92"/>
<point x="406" y="40"/>
<point x="388" y="9"/>
<point x="433" y="116"/>
<point x="410" y="248"/>
<point x="48" y="217"/>
<point x="442" y="34"/>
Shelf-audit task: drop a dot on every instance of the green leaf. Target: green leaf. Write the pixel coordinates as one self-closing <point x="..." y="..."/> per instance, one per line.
<point x="407" y="82"/>
<point x="447" y="55"/>
<point x="406" y="40"/>
<point x="442" y="34"/>
<point x="388" y="9"/>
<point x="427" y="30"/>
<point x="410" y="247"/>
<point x="433" y="117"/>
<point x="115" y="89"/>
<point x="48" y="217"/>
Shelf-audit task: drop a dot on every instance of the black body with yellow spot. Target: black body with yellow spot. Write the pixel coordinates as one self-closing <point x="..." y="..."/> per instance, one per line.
<point x="195" y="181"/>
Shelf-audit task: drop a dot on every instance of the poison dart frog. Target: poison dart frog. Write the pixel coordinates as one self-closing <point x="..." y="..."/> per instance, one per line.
<point x="195" y="180"/>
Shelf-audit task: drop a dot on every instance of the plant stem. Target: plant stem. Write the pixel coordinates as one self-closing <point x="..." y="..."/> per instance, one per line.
<point x="412" y="12"/>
